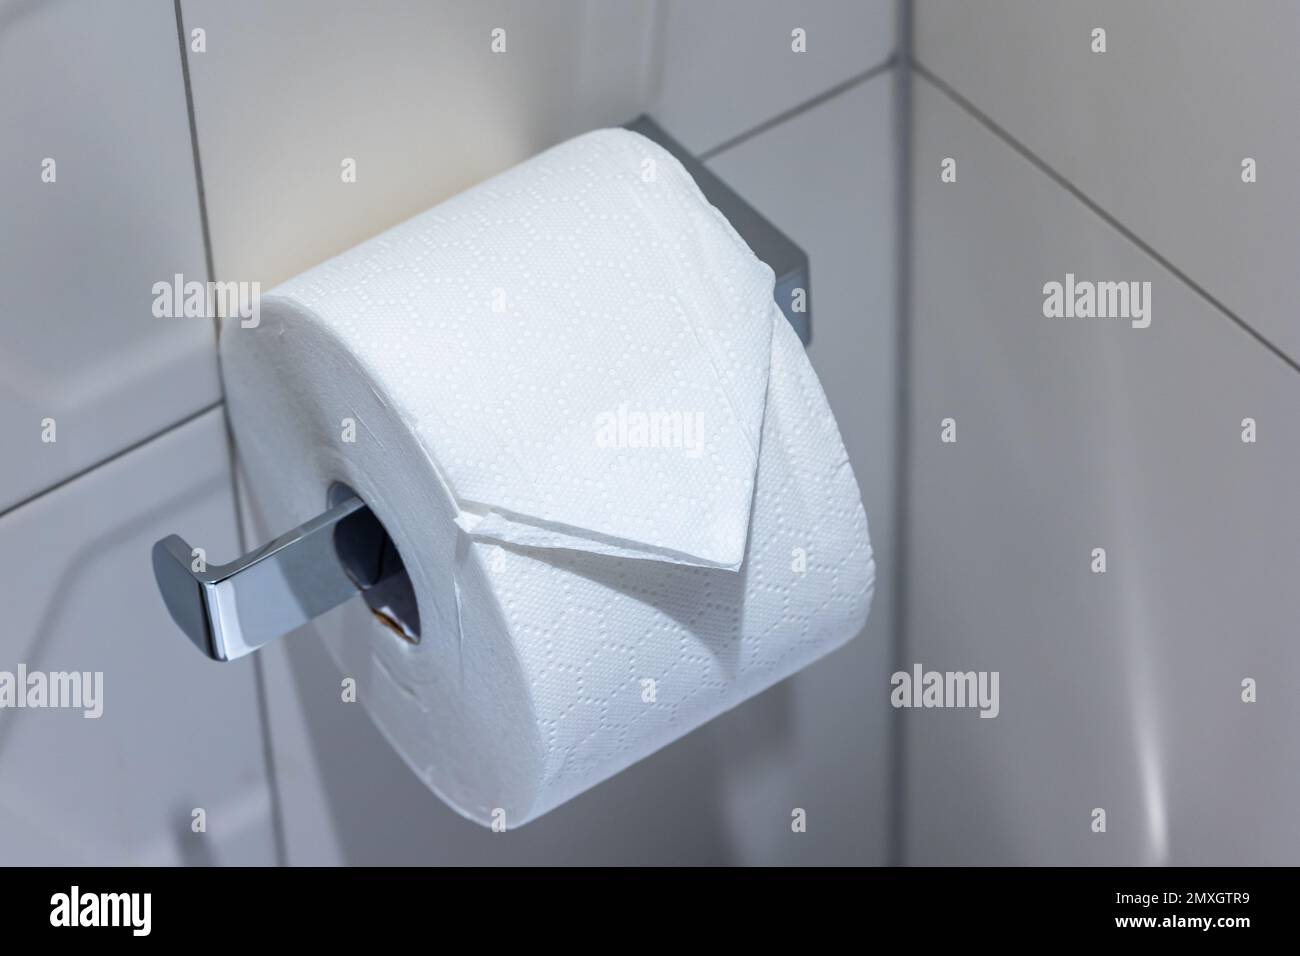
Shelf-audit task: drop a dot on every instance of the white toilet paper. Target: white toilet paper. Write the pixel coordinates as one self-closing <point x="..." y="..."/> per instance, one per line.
<point x="600" y="450"/>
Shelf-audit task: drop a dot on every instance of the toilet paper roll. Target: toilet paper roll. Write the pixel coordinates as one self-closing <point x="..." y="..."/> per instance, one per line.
<point x="600" y="450"/>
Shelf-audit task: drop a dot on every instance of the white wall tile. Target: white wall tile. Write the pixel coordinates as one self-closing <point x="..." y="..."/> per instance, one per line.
<point x="178" y="731"/>
<point x="408" y="89"/>
<point x="1155" y="129"/>
<point x="98" y="89"/>
<point x="727" y="65"/>
<point x="1118" y="690"/>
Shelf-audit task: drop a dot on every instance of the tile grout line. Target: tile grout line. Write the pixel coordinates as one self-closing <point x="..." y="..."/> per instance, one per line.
<point x="826" y="95"/>
<point x="259" y="676"/>
<point x="1042" y="166"/>
<point x="108" y="460"/>
<point x="194" y="141"/>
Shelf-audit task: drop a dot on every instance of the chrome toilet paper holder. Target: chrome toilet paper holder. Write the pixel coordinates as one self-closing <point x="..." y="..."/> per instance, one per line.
<point x="233" y="609"/>
<point x="230" y="610"/>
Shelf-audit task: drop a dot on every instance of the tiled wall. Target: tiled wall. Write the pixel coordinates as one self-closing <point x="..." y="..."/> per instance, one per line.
<point x="1119" y="690"/>
<point x="1155" y="129"/>
<point x="410" y="90"/>
<point x="79" y="255"/>
<point x="138" y="451"/>
<point x="177" y="733"/>
<point x="726" y="68"/>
